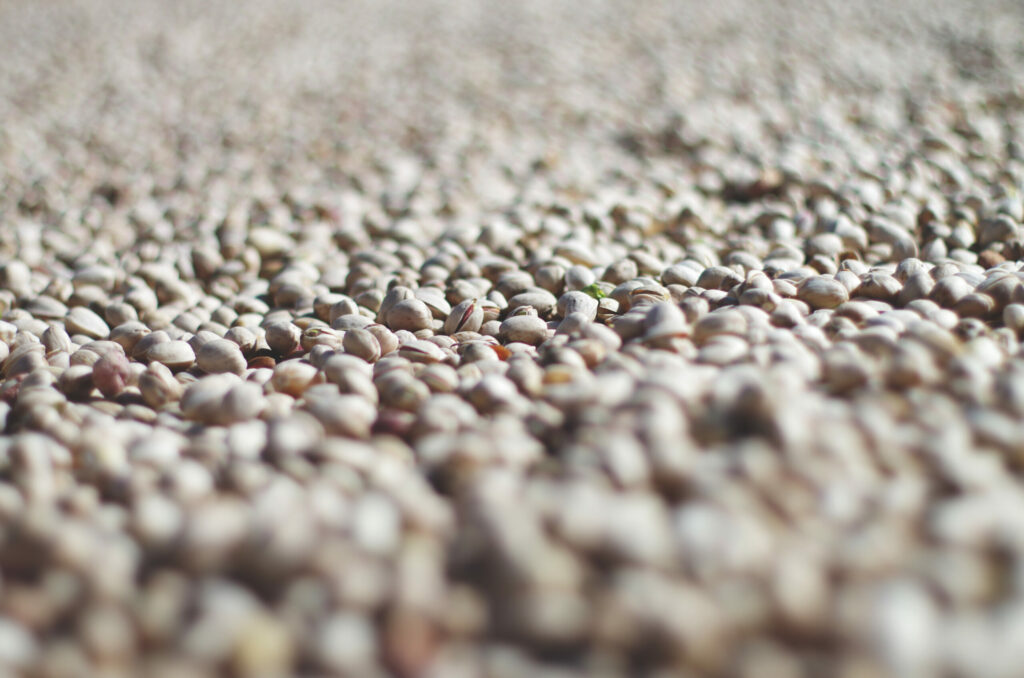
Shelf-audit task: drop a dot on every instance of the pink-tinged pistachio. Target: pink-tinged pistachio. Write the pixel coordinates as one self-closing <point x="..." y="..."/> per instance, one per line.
<point x="467" y="316"/>
<point x="319" y="335"/>
<point x="422" y="351"/>
<point x="110" y="374"/>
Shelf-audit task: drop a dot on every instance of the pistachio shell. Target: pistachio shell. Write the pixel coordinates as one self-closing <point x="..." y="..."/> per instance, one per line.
<point x="220" y="355"/>
<point x="176" y="355"/>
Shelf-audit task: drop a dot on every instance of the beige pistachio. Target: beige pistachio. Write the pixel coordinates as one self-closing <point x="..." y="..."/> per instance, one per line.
<point x="176" y="355"/>
<point x="523" y="328"/>
<point x="143" y="344"/>
<point x="466" y="316"/>
<point x="320" y="336"/>
<point x="25" y="359"/>
<point x="283" y="337"/>
<point x="664" y="319"/>
<point x="293" y="377"/>
<point x="242" y="402"/>
<point x="718" y="323"/>
<point x="344" y="415"/>
<point x="435" y="300"/>
<point x="244" y="337"/>
<point x="128" y="335"/>
<point x="575" y="301"/>
<point x="409" y="314"/>
<point x="56" y="340"/>
<point x="440" y="378"/>
<point x="385" y="337"/>
<point x="158" y="385"/>
<point x="822" y="292"/>
<point x="362" y="343"/>
<point x="422" y="351"/>
<point x="76" y="382"/>
<point x="202" y="400"/>
<point x="393" y="296"/>
<point x="220" y="355"/>
<point x="80" y="320"/>
<point x="536" y="298"/>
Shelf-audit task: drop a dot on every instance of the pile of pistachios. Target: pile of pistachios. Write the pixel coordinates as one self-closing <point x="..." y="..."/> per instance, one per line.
<point x="549" y="339"/>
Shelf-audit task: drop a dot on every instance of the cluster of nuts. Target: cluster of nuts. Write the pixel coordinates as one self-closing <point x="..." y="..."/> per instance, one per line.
<point x="594" y="341"/>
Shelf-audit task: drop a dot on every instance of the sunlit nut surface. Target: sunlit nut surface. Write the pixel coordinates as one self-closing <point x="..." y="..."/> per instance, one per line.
<point x="511" y="339"/>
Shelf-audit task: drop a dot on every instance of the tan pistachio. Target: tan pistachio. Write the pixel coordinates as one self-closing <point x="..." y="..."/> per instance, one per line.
<point x="466" y="316"/>
<point x="220" y="355"/>
<point x="283" y="337"/>
<point x="176" y="355"/>
<point x="80" y="320"/>
<point x="362" y="343"/>
<point x="293" y="377"/>
<point x="158" y="385"/>
<point x="523" y="328"/>
<point x="409" y="314"/>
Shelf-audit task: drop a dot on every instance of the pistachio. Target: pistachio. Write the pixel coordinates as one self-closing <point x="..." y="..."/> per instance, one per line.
<point x="292" y="377"/>
<point x="376" y="343"/>
<point x="81" y="320"/>
<point x="577" y="302"/>
<point x="319" y="336"/>
<point x="408" y="314"/>
<point x="158" y="385"/>
<point x="110" y="374"/>
<point x="76" y="382"/>
<point x="245" y="338"/>
<point x="362" y="343"/>
<point x="283" y="337"/>
<point x="421" y="351"/>
<point x="176" y="355"/>
<point x="220" y="355"/>
<point x="524" y="328"/>
<point x="822" y="292"/>
<point x="466" y="316"/>
<point x="201" y="400"/>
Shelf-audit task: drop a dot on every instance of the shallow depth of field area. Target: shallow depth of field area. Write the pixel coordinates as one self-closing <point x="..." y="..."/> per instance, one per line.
<point x="536" y="339"/>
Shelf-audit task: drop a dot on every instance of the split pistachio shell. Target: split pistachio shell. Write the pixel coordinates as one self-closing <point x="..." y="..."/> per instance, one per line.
<point x="466" y="316"/>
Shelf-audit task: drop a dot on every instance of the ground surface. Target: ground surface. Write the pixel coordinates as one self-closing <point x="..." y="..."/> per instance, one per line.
<point x="511" y="339"/>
